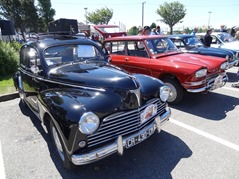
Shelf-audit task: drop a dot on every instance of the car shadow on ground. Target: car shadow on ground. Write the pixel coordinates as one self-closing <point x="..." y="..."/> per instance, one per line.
<point x="153" y="158"/>
<point x="207" y="105"/>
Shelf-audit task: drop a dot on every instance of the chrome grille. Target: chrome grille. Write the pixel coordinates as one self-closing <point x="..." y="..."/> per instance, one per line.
<point x="122" y="123"/>
<point x="211" y="78"/>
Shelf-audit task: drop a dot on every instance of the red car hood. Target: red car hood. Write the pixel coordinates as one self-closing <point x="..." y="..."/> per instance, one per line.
<point x="209" y="62"/>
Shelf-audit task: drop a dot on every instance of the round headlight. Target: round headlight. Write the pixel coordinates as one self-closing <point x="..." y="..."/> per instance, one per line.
<point x="164" y="93"/>
<point x="237" y="55"/>
<point x="88" y="123"/>
<point x="201" y="73"/>
<point x="224" y="66"/>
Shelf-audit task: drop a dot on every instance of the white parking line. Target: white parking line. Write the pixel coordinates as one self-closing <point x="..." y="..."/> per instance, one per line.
<point x="2" y="171"/>
<point x="207" y="135"/>
<point x="233" y="89"/>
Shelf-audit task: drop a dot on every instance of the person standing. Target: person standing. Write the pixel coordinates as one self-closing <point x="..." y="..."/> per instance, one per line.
<point x="146" y="30"/>
<point x="223" y="29"/>
<point x="208" y="38"/>
<point x="158" y="30"/>
<point x="195" y="30"/>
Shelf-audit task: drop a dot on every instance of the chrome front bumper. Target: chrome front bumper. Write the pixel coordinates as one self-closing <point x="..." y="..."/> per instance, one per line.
<point x="211" y="84"/>
<point x="119" y="144"/>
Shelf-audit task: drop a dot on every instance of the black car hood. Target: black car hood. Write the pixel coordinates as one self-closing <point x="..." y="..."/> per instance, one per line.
<point x="93" y="75"/>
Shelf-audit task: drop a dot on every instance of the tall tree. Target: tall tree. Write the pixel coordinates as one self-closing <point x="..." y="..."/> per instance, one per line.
<point x="46" y="13"/>
<point x="171" y="13"/>
<point x="100" y="16"/>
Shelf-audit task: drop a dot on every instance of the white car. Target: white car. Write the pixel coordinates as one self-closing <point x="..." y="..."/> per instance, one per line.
<point x="222" y="40"/>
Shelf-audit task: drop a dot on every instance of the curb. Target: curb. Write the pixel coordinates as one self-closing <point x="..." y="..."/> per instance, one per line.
<point x="7" y="97"/>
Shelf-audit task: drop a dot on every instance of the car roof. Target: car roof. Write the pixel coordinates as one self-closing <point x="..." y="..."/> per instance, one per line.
<point x="135" y="37"/>
<point x="105" y="26"/>
<point x="180" y="36"/>
<point x="213" y="33"/>
<point x="57" y="40"/>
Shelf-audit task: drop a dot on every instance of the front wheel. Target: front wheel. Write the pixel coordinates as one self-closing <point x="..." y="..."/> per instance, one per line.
<point x="60" y="148"/>
<point x="176" y="94"/>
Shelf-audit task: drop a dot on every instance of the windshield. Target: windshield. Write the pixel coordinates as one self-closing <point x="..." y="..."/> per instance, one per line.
<point x="193" y="41"/>
<point x="225" y="37"/>
<point x="161" y="45"/>
<point x="72" y="53"/>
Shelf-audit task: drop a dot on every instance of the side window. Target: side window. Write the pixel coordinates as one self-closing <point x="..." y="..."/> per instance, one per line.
<point x="118" y="48"/>
<point x="179" y="43"/>
<point x="108" y="47"/>
<point x="135" y="50"/>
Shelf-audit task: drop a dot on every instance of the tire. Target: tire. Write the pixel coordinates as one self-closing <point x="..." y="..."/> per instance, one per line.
<point x="176" y="94"/>
<point x="59" y="147"/>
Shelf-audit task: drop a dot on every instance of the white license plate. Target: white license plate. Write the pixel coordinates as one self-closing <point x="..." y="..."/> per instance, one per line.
<point x="137" y="139"/>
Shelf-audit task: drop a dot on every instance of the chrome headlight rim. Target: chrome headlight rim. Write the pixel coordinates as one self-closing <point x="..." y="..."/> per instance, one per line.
<point x="201" y="73"/>
<point x="227" y="57"/>
<point x="164" y="93"/>
<point x="88" y="123"/>
<point x="224" y="66"/>
<point x="237" y="54"/>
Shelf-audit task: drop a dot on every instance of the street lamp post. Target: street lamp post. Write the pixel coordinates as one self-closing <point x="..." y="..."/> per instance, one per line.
<point x="85" y="15"/>
<point x="143" y="13"/>
<point x="209" y="19"/>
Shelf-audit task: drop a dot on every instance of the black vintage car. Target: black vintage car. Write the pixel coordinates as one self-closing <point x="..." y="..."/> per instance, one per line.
<point x="91" y="108"/>
<point x="191" y="44"/>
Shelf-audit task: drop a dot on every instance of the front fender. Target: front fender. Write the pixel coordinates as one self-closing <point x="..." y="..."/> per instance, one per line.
<point x="67" y="106"/>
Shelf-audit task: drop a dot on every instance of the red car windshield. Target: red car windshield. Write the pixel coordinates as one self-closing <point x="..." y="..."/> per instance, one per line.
<point x="161" y="45"/>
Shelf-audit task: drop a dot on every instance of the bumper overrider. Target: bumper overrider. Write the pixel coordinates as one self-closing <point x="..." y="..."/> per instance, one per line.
<point x="121" y="143"/>
<point x="212" y="84"/>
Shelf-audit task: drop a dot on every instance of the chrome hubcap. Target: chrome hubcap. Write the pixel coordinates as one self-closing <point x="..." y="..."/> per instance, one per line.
<point x="173" y="93"/>
<point x="58" y="143"/>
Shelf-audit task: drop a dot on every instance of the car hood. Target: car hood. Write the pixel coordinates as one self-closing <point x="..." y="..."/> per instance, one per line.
<point x="234" y="45"/>
<point x="209" y="62"/>
<point x="213" y="51"/>
<point x="91" y="75"/>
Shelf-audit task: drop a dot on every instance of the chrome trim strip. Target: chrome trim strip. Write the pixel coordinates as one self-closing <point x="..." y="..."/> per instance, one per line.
<point x="117" y="146"/>
<point x="59" y="83"/>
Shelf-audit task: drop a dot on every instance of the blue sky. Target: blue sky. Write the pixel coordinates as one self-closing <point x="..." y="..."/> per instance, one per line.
<point x="130" y="12"/>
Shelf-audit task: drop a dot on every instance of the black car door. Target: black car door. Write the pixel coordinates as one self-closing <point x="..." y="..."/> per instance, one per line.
<point x="31" y="75"/>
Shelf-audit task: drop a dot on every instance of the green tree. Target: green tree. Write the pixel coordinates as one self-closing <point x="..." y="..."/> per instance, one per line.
<point x="153" y="25"/>
<point x="46" y="14"/>
<point x="133" y="30"/>
<point x="26" y="15"/>
<point x="171" y="13"/>
<point x="100" y="16"/>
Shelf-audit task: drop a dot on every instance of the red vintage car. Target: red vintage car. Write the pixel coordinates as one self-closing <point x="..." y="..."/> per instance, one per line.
<point x="157" y="56"/>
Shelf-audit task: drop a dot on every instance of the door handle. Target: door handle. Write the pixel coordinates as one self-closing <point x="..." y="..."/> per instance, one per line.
<point x="126" y="59"/>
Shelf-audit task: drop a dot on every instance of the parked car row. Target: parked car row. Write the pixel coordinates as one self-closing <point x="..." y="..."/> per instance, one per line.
<point x="158" y="56"/>
<point x="222" y="40"/>
<point x="192" y="44"/>
<point x="96" y="100"/>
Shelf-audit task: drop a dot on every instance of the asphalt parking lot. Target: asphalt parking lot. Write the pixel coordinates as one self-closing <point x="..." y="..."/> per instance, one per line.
<point x="200" y="141"/>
